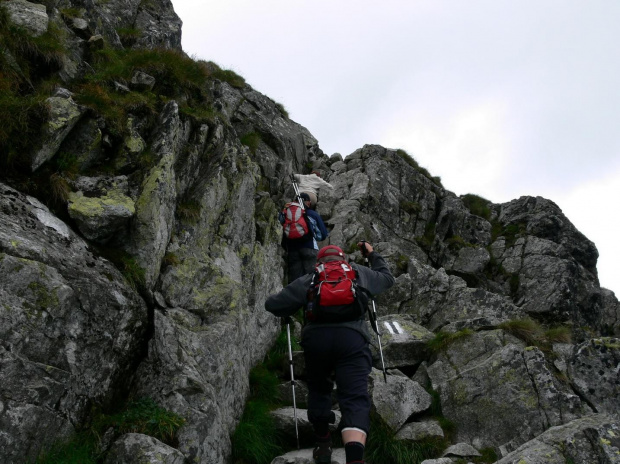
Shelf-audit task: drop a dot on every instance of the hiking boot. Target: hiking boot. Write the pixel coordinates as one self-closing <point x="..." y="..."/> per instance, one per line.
<point x="322" y="454"/>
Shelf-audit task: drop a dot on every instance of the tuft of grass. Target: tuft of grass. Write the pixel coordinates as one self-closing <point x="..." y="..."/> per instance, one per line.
<point x="527" y="330"/>
<point x="448" y="427"/>
<point x="562" y="334"/>
<point x="251" y="140"/>
<point x="256" y="440"/>
<point x="402" y="263"/>
<point x="410" y="207"/>
<point x="145" y="416"/>
<point x="189" y="211"/>
<point x="283" y="110"/>
<point x="414" y="164"/>
<point x="127" y="265"/>
<point x="60" y="188"/>
<point x="443" y="340"/>
<point x="382" y="446"/>
<point x="477" y="205"/>
<point x="426" y="241"/>
<point x="81" y="449"/>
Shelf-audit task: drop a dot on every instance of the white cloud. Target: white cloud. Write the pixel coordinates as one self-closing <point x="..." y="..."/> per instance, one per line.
<point x="592" y="208"/>
<point x="468" y="149"/>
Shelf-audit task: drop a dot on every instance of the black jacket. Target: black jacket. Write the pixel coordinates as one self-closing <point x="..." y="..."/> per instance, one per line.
<point x="374" y="280"/>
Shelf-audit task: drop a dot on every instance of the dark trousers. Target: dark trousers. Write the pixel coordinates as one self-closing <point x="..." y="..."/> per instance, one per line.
<point x="344" y="352"/>
<point x="301" y="262"/>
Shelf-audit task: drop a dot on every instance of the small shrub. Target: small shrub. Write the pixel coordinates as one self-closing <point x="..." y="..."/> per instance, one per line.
<point x="443" y="340"/>
<point x="477" y="205"/>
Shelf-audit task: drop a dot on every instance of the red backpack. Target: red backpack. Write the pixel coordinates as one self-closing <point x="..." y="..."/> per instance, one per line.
<point x="294" y="222"/>
<point x="333" y="295"/>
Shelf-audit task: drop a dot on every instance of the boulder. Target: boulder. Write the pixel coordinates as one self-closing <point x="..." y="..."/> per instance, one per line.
<point x="64" y="113"/>
<point x="72" y="328"/>
<point x="586" y="440"/>
<point x="397" y="400"/>
<point x="285" y="424"/>
<point x="403" y="341"/>
<point x="500" y="392"/>
<point x="304" y="456"/>
<point x="461" y="450"/>
<point x="416" y="431"/>
<point x="31" y="16"/>
<point x="100" y="218"/>
<point x="135" y="448"/>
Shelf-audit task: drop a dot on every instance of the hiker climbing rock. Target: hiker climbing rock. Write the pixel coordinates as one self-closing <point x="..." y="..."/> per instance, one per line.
<point x="303" y="227"/>
<point x="335" y="339"/>
<point x="310" y="184"/>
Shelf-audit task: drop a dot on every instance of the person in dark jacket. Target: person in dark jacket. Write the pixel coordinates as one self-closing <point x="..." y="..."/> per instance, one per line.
<point x="301" y="253"/>
<point x="342" y="348"/>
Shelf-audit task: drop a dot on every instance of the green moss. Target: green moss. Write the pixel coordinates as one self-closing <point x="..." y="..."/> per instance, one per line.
<point x="44" y="298"/>
<point x="89" y="207"/>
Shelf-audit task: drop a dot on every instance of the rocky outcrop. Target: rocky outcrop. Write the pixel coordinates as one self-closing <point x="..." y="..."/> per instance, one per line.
<point x="146" y="270"/>
<point x="72" y="328"/>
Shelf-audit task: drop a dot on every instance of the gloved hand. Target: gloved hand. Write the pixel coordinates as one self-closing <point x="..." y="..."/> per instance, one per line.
<point x="365" y="247"/>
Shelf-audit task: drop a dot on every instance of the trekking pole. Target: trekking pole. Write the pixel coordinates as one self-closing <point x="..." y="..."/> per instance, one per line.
<point x="373" y="317"/>
<point x="290" y="360"/>
<point x="297" y="193"/>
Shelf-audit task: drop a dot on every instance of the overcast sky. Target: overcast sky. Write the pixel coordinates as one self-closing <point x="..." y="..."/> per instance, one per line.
<point x="498" y="98"/>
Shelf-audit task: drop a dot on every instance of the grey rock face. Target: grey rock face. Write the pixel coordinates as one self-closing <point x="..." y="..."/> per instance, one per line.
<point x="135" y="448"/>
<point x="582" y="441"/>
<point x="551" y="263"/>
<point x="31" y="16"/>
<point x="594" y="369"/>
<point x="499" y="391"/>
<point x="72" y="329"/>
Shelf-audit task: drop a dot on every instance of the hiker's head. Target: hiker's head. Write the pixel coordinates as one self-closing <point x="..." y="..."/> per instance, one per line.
<point x="305" y="197"/>
<point x="316" y="173"/>
<point x="330" y="253"/>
